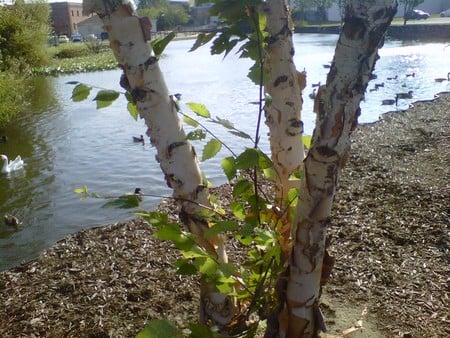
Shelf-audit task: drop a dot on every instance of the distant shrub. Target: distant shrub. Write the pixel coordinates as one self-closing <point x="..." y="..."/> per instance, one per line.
<point x="71" y="51"/>
<point x="23" y="35"/>
<point x="12" y="89"/>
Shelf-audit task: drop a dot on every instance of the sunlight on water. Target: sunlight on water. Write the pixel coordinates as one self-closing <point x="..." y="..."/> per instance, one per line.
<point x="67" y="145"/>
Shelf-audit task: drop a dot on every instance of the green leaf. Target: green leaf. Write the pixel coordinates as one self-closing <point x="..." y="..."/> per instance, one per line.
<point x="173" y="233"/>
<point x="228" y="270"/>
<point x="220" y="227"/>
<point x="190" y="121"/>
<point x="248" y="159"/>
<point x="268" y="100"/>
<point x="238" y="209"/>
<point x="132" y="109"/>
<point x="160" y="44"/>
<point x="227" y="124"/>
<point x="195" y="135"/>
<point x="124" y="202"/>
<point x="270" y="174"/>
<point x="242" y="188"/>
<point x="307" y="141"/>
<point x="211" y="149"/>
<point x="199" y="109"/>
<point x="264" y="162"/>
<point x="201" y="331"/>
<point x="185" y="267"/>
<point x="240" y="134"/>
<point x="129" y="97"/>
<point x="206" y="265"/>
<point x="80" y="92"/>
<point x="202" y="39"/>
<point x="160" y="329"/>
<point x="105" y="98"/>
<point x="229" y="167"/>
<point x="83" y="190"/>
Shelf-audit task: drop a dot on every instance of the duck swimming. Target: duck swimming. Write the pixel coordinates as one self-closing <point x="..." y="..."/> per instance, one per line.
<point x="9" y="166"/>
<point x="139" y="139"/>
<point x="442" y="79"/>
<point x="12" y="220"/>
<point x="408" y="95"/>
<point x="3" y="139"/>
<point x="389" y="102"/>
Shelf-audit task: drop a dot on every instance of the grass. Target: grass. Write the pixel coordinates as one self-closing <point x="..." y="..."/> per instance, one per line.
<point x="71" y="58"/>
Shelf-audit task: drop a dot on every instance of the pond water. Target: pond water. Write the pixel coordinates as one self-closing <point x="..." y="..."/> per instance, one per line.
<point x="67" y="145"/>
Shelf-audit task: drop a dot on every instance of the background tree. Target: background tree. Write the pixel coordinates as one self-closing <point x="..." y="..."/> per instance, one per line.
<point x="322" y="6"/>
<point x="409" y="5"/>
<point x="342" y="4"/>
<point x="167" y="16"/>
<point x="171" y="17"/>
<point x="24" y="31"/>
<point x="141" y="4"/>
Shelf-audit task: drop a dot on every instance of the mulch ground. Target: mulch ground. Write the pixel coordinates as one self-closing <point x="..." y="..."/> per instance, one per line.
<point x="390" y="237"/>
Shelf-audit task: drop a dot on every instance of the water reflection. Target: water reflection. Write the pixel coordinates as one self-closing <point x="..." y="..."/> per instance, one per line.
<point x="67" y="145"/>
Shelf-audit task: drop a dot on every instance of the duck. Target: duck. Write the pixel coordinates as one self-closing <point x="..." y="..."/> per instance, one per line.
<point x="408" y="95"/>
<point x="9" y="166"/>
<point x="388" y="102"/>
<point x="411" y="75"/>
<point x="393" y="78"/>
<point x="442" y="79"/>
<point x="313" y="94"/>
<point x="139" y="139"/>
<point x="315" y="84"/>
<point x="378" y="85"/>
<point x="12" y="220"/>
<point x="3" y="139"/>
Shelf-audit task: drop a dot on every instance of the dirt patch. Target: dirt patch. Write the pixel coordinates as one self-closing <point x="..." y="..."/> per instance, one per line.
<point x="390" y="236"/>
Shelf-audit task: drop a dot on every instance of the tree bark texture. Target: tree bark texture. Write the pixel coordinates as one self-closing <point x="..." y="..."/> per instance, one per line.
<point x="337" y="108"/>
<point x="142" y="76"/>
<point x="284" y="85"/>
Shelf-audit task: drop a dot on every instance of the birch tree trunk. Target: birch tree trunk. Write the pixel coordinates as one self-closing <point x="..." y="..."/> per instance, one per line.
<point x="337" y="108"/>
<point x="284" y="85"/>
<point x="129" y="36"/>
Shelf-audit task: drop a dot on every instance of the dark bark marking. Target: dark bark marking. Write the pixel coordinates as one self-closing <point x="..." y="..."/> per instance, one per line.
<point x="279" y="80"/>
<point x="174" y="145"/>
<point x="150" y="61"/>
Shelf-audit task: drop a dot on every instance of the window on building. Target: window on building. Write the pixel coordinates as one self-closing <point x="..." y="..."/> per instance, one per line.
<point x="78" y="13"/>
<point x="74" y="26"/>
<point x="72" y="12"/>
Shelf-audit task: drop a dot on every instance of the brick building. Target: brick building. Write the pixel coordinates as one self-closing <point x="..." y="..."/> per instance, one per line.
<point x="65" y="16"/>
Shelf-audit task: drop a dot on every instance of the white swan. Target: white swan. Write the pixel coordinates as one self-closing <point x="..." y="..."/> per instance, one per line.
<point x="11" y="165"/>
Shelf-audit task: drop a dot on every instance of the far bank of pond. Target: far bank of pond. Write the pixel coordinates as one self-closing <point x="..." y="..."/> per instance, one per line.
<point x="408" y="32"/>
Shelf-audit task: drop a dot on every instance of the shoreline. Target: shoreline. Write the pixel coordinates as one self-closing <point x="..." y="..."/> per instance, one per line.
<point x="389" y="236"/>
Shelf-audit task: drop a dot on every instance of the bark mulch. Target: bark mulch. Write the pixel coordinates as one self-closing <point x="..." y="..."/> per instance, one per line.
<point x="390" y="237"/>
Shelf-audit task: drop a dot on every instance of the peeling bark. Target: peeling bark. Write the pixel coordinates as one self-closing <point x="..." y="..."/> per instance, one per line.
<point x="129" y="35"/>
<point x="337" y="109"/>
<point x="284" y="85"/>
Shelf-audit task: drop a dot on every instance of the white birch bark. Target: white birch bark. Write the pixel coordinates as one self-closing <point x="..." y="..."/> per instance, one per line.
<point x="129" y="35"/>
<point x="337" y="111"/>
<point x="284" y="85"/>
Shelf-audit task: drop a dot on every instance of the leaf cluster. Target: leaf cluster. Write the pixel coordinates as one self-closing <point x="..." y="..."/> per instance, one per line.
<point x="243" y="26"/>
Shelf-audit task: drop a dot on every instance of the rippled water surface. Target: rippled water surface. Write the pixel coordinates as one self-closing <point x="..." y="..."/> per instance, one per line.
<point x="67" y="145"/>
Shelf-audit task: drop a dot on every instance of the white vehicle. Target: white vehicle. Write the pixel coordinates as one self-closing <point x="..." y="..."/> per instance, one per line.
<point x="445" y="13"/>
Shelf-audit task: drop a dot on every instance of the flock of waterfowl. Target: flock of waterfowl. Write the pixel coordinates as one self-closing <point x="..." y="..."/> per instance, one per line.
<point x="391" y="101"/>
